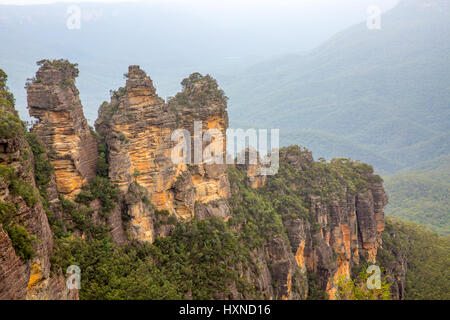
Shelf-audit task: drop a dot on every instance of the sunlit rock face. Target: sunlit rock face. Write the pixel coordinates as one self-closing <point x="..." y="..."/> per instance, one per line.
<point x="54" y="100"/>
<point x="137" y="127"/>
<point x="347" y="228"/>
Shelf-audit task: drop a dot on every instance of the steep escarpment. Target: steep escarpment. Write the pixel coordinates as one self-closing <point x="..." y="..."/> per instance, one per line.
<point x="322" y="220"/>
<point x="138" y="128"/>
<point x="203" y="104"/>
<point x="26" y="241"/>
<point x="54" y="100"/>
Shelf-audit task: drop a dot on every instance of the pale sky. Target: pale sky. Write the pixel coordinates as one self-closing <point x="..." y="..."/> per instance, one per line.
<point x="281" y="3"/>
<point x="25" y="2"/>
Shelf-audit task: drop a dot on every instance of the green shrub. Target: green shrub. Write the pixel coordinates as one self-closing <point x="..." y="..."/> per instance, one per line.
<point x="3" y="79"/>
<point x="43" y="169"/>
<point x="17" y="186"/>
<point x="21" y="241"/>
<point x="315" y="292"/>
<point x="102" y="162"/>
<point x="357" y="289"/>
<point x="7" y="212"/>
<point x="172" y="220"/>
<point x="10" y="125"/>
<point x="100" y="188"/>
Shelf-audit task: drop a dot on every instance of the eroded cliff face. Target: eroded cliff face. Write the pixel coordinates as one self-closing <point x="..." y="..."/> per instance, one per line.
<point x="137" y="127"/>
<point x="349" y="228"/>
<point x="336" y="230"/>
<point x="352" y="229"/>
<point x="26" y="241"/>
<point x="54" y="100"/>
<point x="202" y="102"/>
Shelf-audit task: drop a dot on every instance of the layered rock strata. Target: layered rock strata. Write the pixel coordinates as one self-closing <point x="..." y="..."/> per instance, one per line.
<point x="54" y="100"/>
<point x="138" y="127"/>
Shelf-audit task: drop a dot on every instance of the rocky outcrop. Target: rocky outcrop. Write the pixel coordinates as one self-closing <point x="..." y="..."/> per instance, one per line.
<point x="347" y="228"/>
<point x="202" y="102"/>
<point x="26" y="241"/>
<point x="54" y="100"/>
<point x="283" y="267"/>
<point x="137" y="127"/>
<point x="337" y="232"/>
<point x="352" y="229"/>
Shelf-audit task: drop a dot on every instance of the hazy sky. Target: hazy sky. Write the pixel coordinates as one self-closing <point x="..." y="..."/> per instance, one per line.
<point x="236" y="34"/>
<point x="22" y="2"/>
<point x="384" y="4"/>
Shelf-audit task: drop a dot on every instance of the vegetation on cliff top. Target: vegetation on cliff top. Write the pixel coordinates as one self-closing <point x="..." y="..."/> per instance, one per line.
<point x="65" y="67"/>
<point x="10" y="125"/>
<point x="198" y="92"/>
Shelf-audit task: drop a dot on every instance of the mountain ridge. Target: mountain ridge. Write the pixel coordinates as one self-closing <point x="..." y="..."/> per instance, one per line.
<point x="395" y="78"/>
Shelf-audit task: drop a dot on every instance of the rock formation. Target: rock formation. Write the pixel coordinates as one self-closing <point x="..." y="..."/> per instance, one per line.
<point x="349" y="230"/>
<point x="54" y="99"/>
<point x="313" y="222"/>
<point x="337" y="233"/>
<point x="137" y="127"/>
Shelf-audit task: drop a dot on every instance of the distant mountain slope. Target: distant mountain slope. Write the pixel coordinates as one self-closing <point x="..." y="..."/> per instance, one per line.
<point x="387" y="90"/>
<point x="422" y="196"/>
<point x="168" y="38"/>
<point x="421" y="152"/>
<point x="331" y="146"/>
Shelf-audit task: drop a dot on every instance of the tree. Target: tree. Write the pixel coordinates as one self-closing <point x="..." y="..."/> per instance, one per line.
<point x="357" y="289"/>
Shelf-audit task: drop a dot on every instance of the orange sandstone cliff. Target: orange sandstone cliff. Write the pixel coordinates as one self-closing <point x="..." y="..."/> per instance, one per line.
<point x="54" y="100"/>
<point x="330" y="224"/>
<point x="137" y="127"/>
